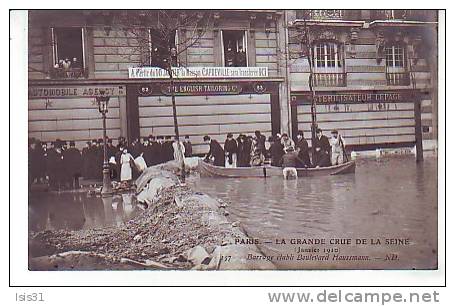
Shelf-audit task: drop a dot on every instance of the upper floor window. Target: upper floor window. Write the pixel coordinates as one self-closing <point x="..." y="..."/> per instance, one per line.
<point x="396" y="65"/>
<point x="234" y="48"/>
<point x="328" y="64"/>
<point x="327" y="57"/>
<point x="68" y="52"/>
<point x="159" y="51"/>
<point x="68" y="49"/>
<point x="395" y="56"/>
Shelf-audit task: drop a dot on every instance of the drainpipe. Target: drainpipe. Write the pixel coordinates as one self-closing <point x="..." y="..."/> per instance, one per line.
<point x="288" y="74"/>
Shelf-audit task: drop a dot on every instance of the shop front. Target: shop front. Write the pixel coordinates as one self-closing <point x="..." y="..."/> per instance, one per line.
<point x="70" y="112"/>
<point x="236" y="103"/>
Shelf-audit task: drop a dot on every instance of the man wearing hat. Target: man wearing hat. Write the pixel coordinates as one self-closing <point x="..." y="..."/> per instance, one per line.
<point x="230" y="149"/>
<point x="337" y="144"/>
<point x="188" y="146"/>
<point x="321" y="154"/>
<point x="73" y="164"/>
<point x="86" y="160"/>
<point x="168" y="149"/>
<point x="99" y="159"/>
<point x="55" y="165"/>
<point x="302" y="148"/>
<point x="154" y="151"/>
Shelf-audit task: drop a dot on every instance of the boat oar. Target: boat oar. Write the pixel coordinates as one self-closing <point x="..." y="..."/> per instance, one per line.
<point x="344" y="150"/>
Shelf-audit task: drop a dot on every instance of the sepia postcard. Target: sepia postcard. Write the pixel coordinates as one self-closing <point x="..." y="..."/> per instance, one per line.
<point x="254" y="139"/>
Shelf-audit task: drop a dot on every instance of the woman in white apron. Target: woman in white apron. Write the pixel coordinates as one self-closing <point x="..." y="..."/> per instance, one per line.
<point x="126" y="171"/>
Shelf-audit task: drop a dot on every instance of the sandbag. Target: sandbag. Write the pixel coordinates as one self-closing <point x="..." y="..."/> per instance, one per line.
<point x="140" y="163"/>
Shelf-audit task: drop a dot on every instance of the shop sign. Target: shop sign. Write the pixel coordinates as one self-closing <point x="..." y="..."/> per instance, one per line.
<point x="362" y="97"/>
<point x="67" y="91"/>
<point x="202" y="89"/>
<point x="198" y="72"/>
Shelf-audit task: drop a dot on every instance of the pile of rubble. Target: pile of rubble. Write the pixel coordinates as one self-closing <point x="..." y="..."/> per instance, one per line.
<point x="181" y="229"/>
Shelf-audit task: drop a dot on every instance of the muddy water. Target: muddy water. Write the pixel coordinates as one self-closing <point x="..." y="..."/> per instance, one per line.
<point x="75" y="211"/>
<point x="389" y="204"/>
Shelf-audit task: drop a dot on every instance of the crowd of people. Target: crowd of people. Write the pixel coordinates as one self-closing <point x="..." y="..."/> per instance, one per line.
<point x="280" y="150"/>
<point x="61" y="164"/>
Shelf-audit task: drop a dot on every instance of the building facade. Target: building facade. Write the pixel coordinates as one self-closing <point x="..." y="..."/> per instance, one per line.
<point x="244" y="70"/>
<point x="375" y="74"/>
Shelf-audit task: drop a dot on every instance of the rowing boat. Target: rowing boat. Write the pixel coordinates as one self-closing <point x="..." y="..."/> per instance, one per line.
<point x="209" y="170"/>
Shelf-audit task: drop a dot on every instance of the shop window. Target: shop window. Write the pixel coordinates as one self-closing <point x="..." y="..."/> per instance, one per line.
<point x="396" y="65"/>
<point x="328" y="65"/>
<point x="158" y="50"/>
<point x="234" y="48"/>
<point x="68" y="52"/>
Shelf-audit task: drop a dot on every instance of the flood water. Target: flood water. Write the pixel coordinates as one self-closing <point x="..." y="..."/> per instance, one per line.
<point x="386" y="199"/>
<point x="75" y="211"/>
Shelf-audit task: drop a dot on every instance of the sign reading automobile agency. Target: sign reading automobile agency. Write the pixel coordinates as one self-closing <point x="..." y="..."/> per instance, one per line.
<point x="198" y="72"/>
<point x="70" y="91"/>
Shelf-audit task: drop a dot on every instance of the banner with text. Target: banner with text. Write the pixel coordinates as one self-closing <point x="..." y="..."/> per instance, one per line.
<point x="198" y="72"/>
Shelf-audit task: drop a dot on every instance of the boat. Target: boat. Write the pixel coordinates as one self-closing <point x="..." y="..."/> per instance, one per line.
<point x="209" y="170"/>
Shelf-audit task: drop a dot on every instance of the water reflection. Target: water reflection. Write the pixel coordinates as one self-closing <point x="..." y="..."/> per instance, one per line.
<point x="386" y="198"/>
<point x="75" y="211"/>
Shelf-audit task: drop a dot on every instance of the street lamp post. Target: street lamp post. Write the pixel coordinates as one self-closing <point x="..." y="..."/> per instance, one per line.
<point x="103" y="102"/>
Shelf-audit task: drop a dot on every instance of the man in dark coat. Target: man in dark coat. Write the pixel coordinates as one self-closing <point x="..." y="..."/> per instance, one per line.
<point x="86" y="160"/>
<point x="261" y="142"/>
<point x="56" y="165"/>
<point x="302" y="148"/>
<point x="276" y="151"/>
<point x="40" y="161"/>
<point x="111" y="149"/>
<point x="321" y="155"/>
<point x="73" y="164"/>
<point x="161" y="151"/>
<point x="188" y="147"/>
<point x="168" y="149"/>
<point x="154" y="151"/>
<point x="241" y="58"/>
<point x="31" y="161"/>
<point x="244" y="151"/>
<point x="135" y="148"/>
<point x="216" y="151"/>
<point x="230" y="147"/>
<point x="99" y="159"/>
<point x="230" y="57"/>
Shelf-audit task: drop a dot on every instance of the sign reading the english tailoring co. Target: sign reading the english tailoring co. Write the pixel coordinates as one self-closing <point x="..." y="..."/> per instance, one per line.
<point x="198" y="72"/>
<point x="205" y="89"/>
<point x="71" y="91"/>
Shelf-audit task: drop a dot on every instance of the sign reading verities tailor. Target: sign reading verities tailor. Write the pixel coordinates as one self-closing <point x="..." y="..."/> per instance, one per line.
<point x="203" y="89"/>
<point x="198" y="72"/>
<point x="360" y="97"/>
<point x="84" y="91"/>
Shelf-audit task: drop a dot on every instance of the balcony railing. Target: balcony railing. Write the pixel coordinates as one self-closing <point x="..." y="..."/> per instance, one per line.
<point x="329" y="79"/>
<point x="328" y="14"/>
<point x="398" y="79"/>
<point x="68" y="73"/>
<point x="412" y="15"/>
